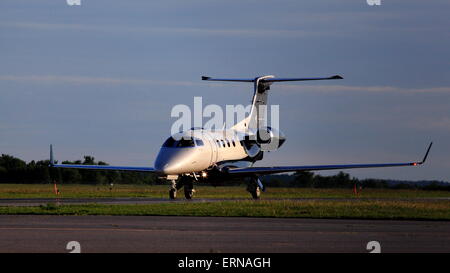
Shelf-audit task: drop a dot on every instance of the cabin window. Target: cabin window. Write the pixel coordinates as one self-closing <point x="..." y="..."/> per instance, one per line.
<point x="228" y="142"/>
<point x="223" y="143"/>
<point x="234" y="144"/>
<point x="219" y="143"/>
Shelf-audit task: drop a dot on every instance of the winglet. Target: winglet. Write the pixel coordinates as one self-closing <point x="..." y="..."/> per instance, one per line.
<point x="424" y="158"/>
<point x="426" y="154"/>
<point x="52" y="161"/>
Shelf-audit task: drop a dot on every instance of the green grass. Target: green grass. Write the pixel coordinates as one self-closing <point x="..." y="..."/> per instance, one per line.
<point x="436" y="210"/>
<point x="161" y="191"/>
<point x="399" y="204"/>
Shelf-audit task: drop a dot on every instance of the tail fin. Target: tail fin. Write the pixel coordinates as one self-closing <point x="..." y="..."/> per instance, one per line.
<point x="257" y="117"/>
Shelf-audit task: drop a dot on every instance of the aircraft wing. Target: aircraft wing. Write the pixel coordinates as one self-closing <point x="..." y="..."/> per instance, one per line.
<point x="103" y="167"/>
<point x="281" y="169"/>
<point x="98" y="167"/>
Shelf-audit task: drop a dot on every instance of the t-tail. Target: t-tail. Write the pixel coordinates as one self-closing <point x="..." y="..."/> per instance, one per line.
<point x="257" y="118"/>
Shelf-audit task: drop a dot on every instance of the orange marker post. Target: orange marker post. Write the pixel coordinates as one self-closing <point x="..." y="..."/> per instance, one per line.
<point x="55" y="188"/>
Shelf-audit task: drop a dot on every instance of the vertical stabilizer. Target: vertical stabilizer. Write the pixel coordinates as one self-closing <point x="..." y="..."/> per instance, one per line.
<point x="257" y="117"/>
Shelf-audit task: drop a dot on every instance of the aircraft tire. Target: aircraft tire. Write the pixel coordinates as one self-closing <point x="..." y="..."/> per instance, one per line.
<point x="189" y="190"/>
<point x="173" y="193"/>
<point x="254" y="190"/>
<point x="256" y="193"/>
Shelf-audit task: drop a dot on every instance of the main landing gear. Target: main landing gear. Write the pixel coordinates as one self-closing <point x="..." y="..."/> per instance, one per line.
<point x="187" y="183"/>
<point x="255" y="187"/>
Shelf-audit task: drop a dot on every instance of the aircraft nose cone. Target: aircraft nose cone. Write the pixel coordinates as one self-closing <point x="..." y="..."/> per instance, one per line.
<point x="175" y="161"/>
<point x="162" y="166"/>
<point x="167" y="162"/>
<point x="166" y="169"/>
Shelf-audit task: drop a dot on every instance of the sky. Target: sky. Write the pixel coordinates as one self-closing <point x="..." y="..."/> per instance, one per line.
<point x="101" y="78"/>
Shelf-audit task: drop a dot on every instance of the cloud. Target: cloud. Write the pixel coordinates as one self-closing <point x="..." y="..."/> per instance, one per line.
<point x="349" y="88"/>
<point x="430" y="124"/>
<point x="54" y="79"/>
<point x="85" y="80"/>
<point x="263" y="33"/>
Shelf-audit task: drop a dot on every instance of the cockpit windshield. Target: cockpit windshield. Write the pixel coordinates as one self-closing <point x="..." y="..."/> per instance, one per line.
<point x="182" y="143"/>
<point x="169" y="142"/>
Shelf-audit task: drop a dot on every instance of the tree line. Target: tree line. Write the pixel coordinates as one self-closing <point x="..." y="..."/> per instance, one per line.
<point x="344" y="180"/>
<point x="15" y="170"/>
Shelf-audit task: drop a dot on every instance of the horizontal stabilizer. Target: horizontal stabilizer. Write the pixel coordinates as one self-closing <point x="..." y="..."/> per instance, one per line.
<point x="204" y="78"/>
<point x="335" y="77"/>
<point x="270" y="79"/>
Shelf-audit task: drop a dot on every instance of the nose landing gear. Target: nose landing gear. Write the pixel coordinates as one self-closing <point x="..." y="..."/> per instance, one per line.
<point x="173" y="193"/>
<point x="187" y="183"/>
<point x="173" y="189"/>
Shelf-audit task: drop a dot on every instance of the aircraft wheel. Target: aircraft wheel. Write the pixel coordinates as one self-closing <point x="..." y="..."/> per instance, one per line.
<point x="188" y="193"/>
<point x="189" y="190"/>
<point x="256" y="193"/>
<point x="254" y="190"/>
<point x="173" y="193"/>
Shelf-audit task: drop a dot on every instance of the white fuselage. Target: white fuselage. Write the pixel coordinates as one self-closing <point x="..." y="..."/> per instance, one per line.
<point x="198" y="150"/>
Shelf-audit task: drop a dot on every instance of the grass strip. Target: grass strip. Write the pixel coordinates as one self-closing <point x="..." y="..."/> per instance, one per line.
<point x="412" y="210"/>
<point x="225" y="192"/>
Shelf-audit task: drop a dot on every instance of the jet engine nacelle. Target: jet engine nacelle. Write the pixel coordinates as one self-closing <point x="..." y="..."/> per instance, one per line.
<point x="265" y="139"/>
<point x="270" y="139"/>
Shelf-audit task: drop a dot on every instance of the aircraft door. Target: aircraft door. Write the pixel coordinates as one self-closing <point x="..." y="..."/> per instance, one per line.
<point x="213" y="146"/>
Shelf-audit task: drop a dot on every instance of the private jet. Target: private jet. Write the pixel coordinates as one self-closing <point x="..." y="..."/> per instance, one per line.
<point x="217" y="156"/>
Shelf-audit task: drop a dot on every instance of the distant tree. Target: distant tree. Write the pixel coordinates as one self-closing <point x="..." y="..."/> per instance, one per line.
<point x="89" y="160"/>
<point x="15" y="169"/>
<point x="373" y="183"/>
<point x="343" y="180"/>
<point x="303" y="179"/>
<point x="89" y="176"/>
<point x="402" y="186"/>
<point x="43" y="171"/>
